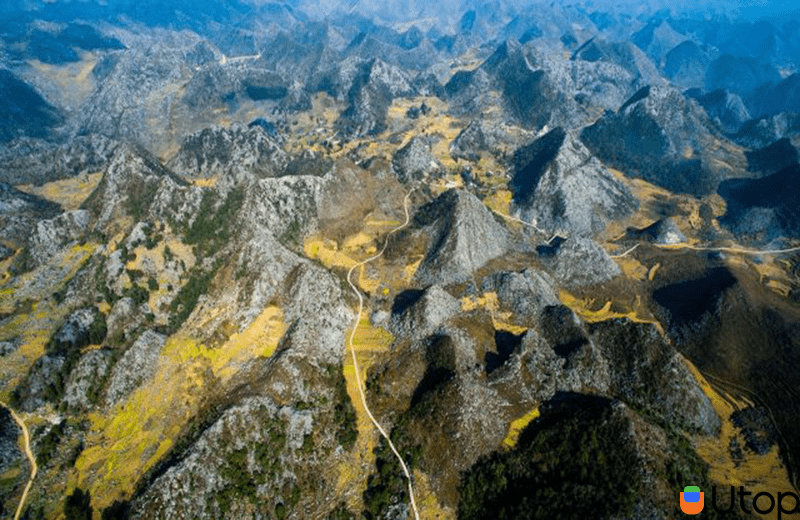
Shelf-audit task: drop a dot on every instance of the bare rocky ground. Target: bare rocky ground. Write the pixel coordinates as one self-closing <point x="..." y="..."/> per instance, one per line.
<point x="582" y="262"/>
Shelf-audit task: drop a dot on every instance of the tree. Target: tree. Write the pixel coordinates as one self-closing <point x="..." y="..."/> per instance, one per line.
<point x="78" y="506"/>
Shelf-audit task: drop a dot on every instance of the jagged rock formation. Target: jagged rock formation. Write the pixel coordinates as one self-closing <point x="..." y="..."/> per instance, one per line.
<point x="677" y="396"/>
<point x="562" y="188"/>
<point x="464" y="236"/>
<point x="686" y="64"/>
<point x="772" y="158"/>
<point x="374" y="86"/>
<point x="760" y="210"/>
<point x="530" y="96"/>
<point x="10" y="453"/>
<point x="419" y="313"/>
<point x="662" y="231"/>
<point x="662" y="137"/>
<point x="580" y="261"/>
<point x="84" y="383"/>
<point x="414" y="160"/>
<point x="478" y="136"/>
<point x="657" y="38"/>
<point x="136" y="366"/>
<point x="525" y="293"/>
<point x="20" y="212"/>
<point x="758" y="133"/>
<point x="740" y="74"/>
<point x="130" y="186"/>
<point x="35" y="161"/>
<point x="232" y="155"/>
<point x="726" y="109"/>
<point x="51" y="235"/>
<point x="775" y="97"/>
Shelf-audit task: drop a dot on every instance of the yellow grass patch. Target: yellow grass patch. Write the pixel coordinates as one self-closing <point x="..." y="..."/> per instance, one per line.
<point x="327" y="252"/>
<point x="127" y="441"/>
<point x="516" y="427"/>
<point x="592" y="311"/>
<point x="500" y="201"/>
<point x="137" y="433"/>
<point x="631" y="267"/>
<point x="369" y="342"/>
<point x="209" y="182"/>
<point x="68" y="193"/>
<point x="74" y="80"/>
<point x="489" y="301"/>
<point x="755" y="472"/>
<point x="427" y="502"/>
<point x="39" y="319"/>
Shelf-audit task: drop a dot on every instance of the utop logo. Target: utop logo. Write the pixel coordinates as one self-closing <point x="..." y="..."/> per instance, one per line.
<point x="691" y="500"/>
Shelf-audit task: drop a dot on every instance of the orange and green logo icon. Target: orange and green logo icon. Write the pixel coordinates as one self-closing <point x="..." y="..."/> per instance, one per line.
<point x="691" y="500"/>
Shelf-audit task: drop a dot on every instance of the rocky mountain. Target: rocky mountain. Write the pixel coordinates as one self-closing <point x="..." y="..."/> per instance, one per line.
<point x="725" y="108"/>
<point x="265" y="259"/>
<point x="464" y="235"/>
<point x="233" y="155"/>
<point x="564" y="190"/>
<point x="25" y="111"/>
<point x="669" y="147"/>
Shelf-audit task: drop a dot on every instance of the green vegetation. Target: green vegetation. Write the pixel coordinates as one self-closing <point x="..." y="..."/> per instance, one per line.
<point x="140" y="196"/>
<point x="293" y="236"/>
<point x="186" y="300"/>
<point x="49" y="443"/>
<point x="98" y="329"/>
<point x="152" y="284"/>
<point x="388" y="486"/>
<point x="22" y="263"/>
<point x="344" y="414"/>
<point x="78" y="506"/>
<point x="571" y="463"/>
<point x="210" y="228"/>
<point x="70" y="353"/>
<point x="242" y="479"/>
<point x="119" y="510"/>
<point x="341" y="513"/>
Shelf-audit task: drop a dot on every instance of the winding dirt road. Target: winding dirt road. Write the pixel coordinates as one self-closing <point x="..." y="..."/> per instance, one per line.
<point x="27" y="446"/>
<point x="359" y="383"/>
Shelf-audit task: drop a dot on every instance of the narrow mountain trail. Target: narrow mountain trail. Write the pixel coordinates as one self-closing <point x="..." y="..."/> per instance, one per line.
<point x="27" y="446"/>
<point x="359" y="383"/>
<point x="721" y="249"/>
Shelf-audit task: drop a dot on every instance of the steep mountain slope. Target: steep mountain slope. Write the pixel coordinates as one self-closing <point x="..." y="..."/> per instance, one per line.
<point x="576" y="293"/>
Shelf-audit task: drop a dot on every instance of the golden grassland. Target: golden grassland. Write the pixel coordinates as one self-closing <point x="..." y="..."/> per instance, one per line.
<point x="68" y="193"/>
<point x="369" y="342"/>
<point x="756" y="472"/>
<point x="516" y="427"/>
<point x="593" y="311"/>
<point x="37" y="316"/>
<point x="427" y="502"/>
<point x="500" y="319"/>
<point x="129" y="439"/>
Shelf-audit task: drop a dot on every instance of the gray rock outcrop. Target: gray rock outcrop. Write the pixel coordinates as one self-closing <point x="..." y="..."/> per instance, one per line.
<point x="581" y="261"/>
<point x="464" y="236"/>
<point x="233" y="155"/>
<point x="414" y="160"/>
<point x="136" y="365"/>
<point x="562" y="188"/>
<point x="81" y="388"/>
<point x="419" y="314"/>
